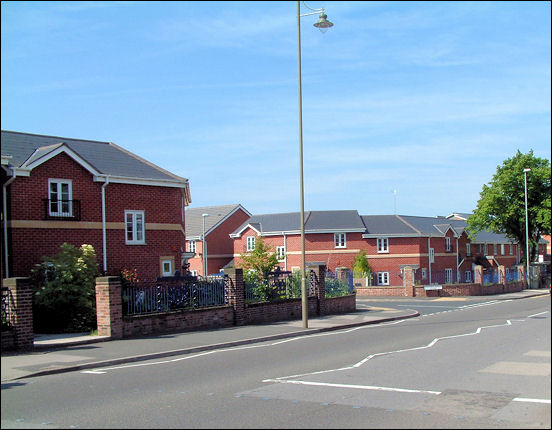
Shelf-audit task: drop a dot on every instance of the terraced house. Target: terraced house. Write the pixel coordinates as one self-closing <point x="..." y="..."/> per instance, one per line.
<point x="58" y="189"/>
<point x="438" y="249"/>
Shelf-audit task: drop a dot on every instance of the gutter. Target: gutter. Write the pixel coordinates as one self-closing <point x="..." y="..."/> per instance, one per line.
<point x="5" y="202"/>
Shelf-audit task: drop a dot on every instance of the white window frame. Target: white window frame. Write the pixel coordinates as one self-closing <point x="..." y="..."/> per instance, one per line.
<point x="447" y="244"/>
<point x="170" y="262"/>
<point x="191" y="246"/>
<point x="138" y="231"/>
<point x="495" y="249"/>
<point x="501" y="249"/>
<point x="431" y="255"/>
<point x="468" y="249"/>
<point x="448" y="276"/>
<point x="383" y="245"/>
<point x="59" y="198"/>
<point x="468" y="276"/>
<point x="383" y="278"/>
<point x="251" y="242"/>
<point x="340" y="240"/>
<point x="281" y="253"/>
<point x="511" y="249"/>
<point x="486" y="249"/>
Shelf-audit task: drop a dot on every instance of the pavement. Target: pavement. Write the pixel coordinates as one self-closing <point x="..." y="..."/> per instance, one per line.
<point x="71" y="352"/>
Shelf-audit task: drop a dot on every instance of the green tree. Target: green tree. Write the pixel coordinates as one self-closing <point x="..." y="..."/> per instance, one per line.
<point x="64" y="298"/>
<point x="262" y="260"/>
<point x="501" y="207"/>
<point x="361" y="266"/>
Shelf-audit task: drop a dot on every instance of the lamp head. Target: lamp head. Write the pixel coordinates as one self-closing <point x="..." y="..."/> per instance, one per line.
<point x="323" y="24"/>
<point x="204" y="215"/>
<point x="526" y="170"/>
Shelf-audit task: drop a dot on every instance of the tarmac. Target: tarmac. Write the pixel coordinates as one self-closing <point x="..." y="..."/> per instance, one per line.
<point x="72" y="352"/>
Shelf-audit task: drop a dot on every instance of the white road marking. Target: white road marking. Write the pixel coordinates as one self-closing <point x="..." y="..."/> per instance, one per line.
<point x="521" y="399"/>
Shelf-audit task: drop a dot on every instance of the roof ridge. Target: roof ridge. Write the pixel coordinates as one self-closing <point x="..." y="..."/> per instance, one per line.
<point x="56" y="137"/>
<point x="408" y="224"/>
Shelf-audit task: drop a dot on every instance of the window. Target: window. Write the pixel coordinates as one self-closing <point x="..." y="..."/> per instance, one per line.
<point x="468" y="249"/>
<point x="250" y="243"/>
<point x="193" y="272"/>
<point x="60" y="196"/>
<point x="486" y="249"/>
<point x="495" y="249"/>
<point x="448" y="276"/>
<point x="424" y="273"/>
<point x="502" y="249"/>
<point x="511" y="250"/>
<point x="191" y="246"/>
<point x="135" y="227"/>
<point x="383" y="244"/>
<point x="340" y="240"/>
<point x="447" y="244"/>
<point x="167" y="264"/>
<point x="468" y="276"/>
<point x="479" y="248"/>
<point x="280" y="253"/>
<point x="431" y="255"/>
<point x="383" y="278"/>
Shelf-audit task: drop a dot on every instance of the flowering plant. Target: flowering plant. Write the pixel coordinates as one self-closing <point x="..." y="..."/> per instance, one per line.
<point x="129" y="276"/>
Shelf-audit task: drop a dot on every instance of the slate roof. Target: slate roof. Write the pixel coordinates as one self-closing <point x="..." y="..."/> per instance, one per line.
<point x="315" y="222"/>
<point x="20" y="150"/>
<point x="217" y="214"/>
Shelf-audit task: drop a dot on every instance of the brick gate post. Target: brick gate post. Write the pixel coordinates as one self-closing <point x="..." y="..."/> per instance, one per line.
<point x="22" y="294"/>
<point x="236" y="294"/>
<point x="109" y="307"/>
<point x="319" y="273"/>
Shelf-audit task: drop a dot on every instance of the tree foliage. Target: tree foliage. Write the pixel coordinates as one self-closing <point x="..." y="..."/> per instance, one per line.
<point x="262" y="260"/>
<point x="361" y="266"/>
<point x="501" y="207"/>
<point x="64" y="298"/>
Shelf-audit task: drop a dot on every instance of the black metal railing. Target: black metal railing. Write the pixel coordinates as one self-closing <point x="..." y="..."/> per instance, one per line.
<point x="188" y="292"/>
<point x="62" y="210"/>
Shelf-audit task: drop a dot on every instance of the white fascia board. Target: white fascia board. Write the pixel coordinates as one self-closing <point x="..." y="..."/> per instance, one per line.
<point x="228" y="215"/>
<point x="245" y="227"/>
<point x="62" y="149"/>
<point x="376" y="236"/>
<point x="140" y="181"/>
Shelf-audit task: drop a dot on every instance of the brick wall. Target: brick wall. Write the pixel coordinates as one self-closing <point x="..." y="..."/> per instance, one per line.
<point x="21" y="313"/>
<point x="163" y="216"/>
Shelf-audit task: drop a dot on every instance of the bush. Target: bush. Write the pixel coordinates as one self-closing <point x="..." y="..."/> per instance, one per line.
<point x="64" y="299"/>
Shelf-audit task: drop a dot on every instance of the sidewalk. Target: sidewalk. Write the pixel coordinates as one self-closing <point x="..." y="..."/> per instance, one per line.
<point x="72" y="352"/>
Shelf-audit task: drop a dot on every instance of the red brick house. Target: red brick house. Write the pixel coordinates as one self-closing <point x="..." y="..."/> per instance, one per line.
<point x="58" y="189"/>
<point x="220" y="221"/>
<point x="438" y="249"/>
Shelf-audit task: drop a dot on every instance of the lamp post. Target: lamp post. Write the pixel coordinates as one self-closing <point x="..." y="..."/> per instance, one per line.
<point x="527" y="229"/>
<point x="204" y="246"/>
<point x="323" y="24"/>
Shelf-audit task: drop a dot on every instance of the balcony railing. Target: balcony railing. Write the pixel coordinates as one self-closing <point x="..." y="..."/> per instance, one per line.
<point x="62" y="210"/>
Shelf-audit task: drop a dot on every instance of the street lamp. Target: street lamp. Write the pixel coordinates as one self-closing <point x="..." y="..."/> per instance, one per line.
<point x="322" y="24"/>
<point x="527" y="229"/>
<point x="204" y="246"/>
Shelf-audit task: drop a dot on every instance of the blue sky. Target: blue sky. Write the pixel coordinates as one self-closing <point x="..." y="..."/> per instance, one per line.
<point x="425" y="98"/>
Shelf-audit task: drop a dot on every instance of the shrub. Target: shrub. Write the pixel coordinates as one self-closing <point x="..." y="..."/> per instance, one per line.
<point x="64" y="298"/>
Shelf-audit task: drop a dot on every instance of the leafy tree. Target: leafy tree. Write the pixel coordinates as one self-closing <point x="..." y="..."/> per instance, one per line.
<point x="262" y="260"/>
<point x="501" y="207"/>
<point x="361" y="266"/>
<point x="64" y="298"/>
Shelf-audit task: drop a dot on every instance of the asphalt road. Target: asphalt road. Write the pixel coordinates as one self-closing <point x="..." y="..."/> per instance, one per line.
<point x="471" y="364"/>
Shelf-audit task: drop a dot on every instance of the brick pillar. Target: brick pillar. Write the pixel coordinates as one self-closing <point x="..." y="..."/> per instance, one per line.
<point x="521" y="274"/>
<point x="408" y="281"/>
<point x="502" y="275"/>
<point x="478" y="275"/>
<point x="109" y="307"/>
<point x="319" y="273"/>
<point x="22" y="294"/>
<point x="236" y="294"/>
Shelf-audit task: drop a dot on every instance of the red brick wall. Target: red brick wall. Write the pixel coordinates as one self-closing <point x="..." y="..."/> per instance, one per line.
<point x="161" y="205"/>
